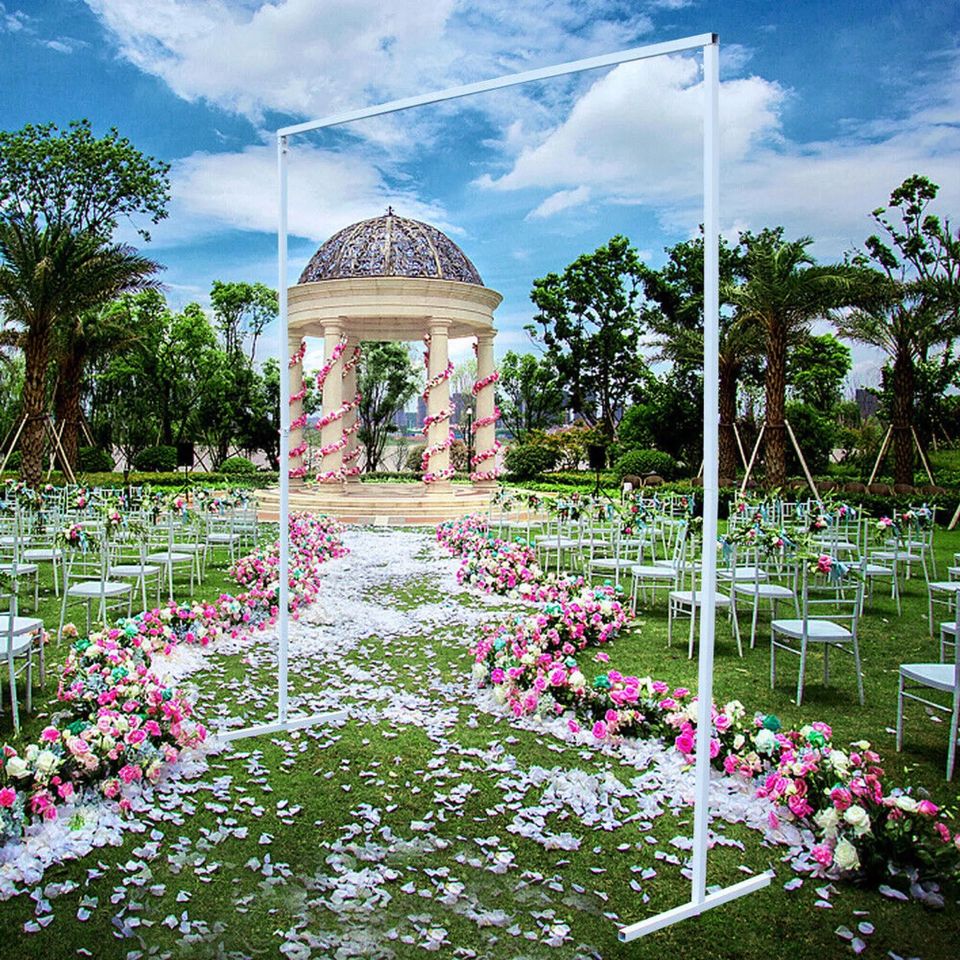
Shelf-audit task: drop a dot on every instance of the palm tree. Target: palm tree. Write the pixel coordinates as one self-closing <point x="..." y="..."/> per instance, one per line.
<point x="912" y="303"/>
<point x="784" y="292"/>
<point x="49" y="274"/>
<point x="79" y="337"/>
<point x="676" y="319"/>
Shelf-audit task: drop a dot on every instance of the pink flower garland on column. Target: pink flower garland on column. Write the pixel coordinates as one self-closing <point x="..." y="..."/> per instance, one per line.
<point x="300" y="421"/>
<point x="430" y="451"/>
<point x="490" y="453"/>
<point x="331" y="475"/>
<point x="351" y="469"/>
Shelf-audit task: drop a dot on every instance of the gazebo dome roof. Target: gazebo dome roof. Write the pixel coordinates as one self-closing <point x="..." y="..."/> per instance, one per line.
<point x="390" y="246"/>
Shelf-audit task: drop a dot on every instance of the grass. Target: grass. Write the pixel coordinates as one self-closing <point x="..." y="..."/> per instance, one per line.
<point x="258" y="846"/>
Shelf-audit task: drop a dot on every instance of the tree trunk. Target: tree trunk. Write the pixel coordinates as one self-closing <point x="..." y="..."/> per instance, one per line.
<point x="36" y="354"/>
<point x="67" y="407"/>
<point x="727" y="460"/>
<point x="775" y="447"/>
<point x="902" y="418"/>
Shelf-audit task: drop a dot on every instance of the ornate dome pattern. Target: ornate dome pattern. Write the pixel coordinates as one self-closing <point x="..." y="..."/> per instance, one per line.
<point x="390" y="246"/>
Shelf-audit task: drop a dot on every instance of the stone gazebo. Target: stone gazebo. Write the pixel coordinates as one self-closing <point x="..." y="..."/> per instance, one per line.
<point x="391" y="278"/>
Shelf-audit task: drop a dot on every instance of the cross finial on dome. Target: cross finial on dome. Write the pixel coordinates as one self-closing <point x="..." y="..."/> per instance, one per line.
<point x="389" y="211"/>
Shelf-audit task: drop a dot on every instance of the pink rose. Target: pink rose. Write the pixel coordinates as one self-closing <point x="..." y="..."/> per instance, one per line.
<point x="8" y="797"/>
<point x="600" y="730"/>
<point x="927" y="808"/>
<point x="823" y="855"/>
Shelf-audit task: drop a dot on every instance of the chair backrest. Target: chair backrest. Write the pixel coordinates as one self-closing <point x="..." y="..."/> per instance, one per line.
<point x="832" y="590"/>
<point x="88" y="561"/>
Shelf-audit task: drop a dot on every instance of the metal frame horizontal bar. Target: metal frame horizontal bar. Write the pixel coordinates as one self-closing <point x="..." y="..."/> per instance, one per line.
<point x="500" y="83"/>
<point x="694" y="909"/>
<point x="281" y="726"/>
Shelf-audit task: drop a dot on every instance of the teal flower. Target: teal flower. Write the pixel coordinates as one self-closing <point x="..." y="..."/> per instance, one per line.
<point x="771" y="723"/>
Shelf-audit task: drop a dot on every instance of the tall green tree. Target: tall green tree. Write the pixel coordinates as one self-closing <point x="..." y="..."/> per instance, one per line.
<point x="674" y="314"/>
<point x="529" y="394"/>
<point x="386" y="380"/>
<point x="46" y="276"/>
<point x="816" y="370"/>
<point x="783" y="292"/>
<point x="242" y="311"/>
<point x="71" y="179"/>
<point x="63" y="193"/>
<point x="588" y="322"/>
<point x="912" y="306"/>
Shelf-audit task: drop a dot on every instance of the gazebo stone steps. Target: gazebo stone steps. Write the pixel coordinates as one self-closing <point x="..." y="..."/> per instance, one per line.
<point x="382" y="503"/>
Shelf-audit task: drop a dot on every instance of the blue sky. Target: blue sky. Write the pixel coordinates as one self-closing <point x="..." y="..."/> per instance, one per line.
<point x="825" y="108"/>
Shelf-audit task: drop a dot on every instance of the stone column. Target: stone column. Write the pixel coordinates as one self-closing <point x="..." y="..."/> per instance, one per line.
<point x="351" y="452"/>
<point x="331" y="465"/>
<point x="438" y="400"/>
<point x="485" y="434"/>
<point x="296" y="412"/>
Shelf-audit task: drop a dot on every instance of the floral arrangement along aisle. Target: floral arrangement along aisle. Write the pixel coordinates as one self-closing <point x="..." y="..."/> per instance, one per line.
<point x="834" y="806"/>
<point x="120" y="724"/>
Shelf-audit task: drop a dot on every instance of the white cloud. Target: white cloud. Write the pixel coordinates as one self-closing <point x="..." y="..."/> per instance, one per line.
<point x="637" y="133"/>
<point x="311" y="57"/>
<point x="635" y="137"/>
<point x="218" y="191"/>
<point x="561" y="200"/>
<point x="12" y="21"/>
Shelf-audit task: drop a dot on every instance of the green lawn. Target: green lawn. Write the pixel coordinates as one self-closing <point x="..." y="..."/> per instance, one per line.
<point x="362" y="840"/>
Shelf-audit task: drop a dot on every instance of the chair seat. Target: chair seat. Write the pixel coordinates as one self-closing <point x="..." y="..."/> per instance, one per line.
<point x="818" y="631"/>
<point x="190" y="548"/>
<point x="689" y="598"/>
<point x="23" y="630"/>
<point x="222" y="537"/>
<point x="645" y="571"/>
<point x="938" y="676"/>
<point x="166" y="556"/>
<point x="741" y="573"/>
<point x="877" y="570"/>
<point x="96" y="588"/>
<point x="563" y="543"/>
<point x="611" y="563"/>
<point x="18" y="568"/>
<point x="764" y="591"/>
<point x="944" y="585"/>
<point x="134" y="570"/>
<point x="42" y="554"/>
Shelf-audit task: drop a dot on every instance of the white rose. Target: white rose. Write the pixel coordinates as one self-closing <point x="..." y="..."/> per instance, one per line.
<point x="839" y="761"/>
<point x="31" y="753"/>
<point x="907" y="804"/>
<point x="528" y="659"/>
<point x="827" y="820"/>
<point x="17" y="767"/>
<point x="479" y="671"/>
<point x="738" y="741"/>
<point x="47" y="762"/>
<point x="845" y="856"/>
<point x="577" y="680"/>
<point x="94" y="650"/>
<point x="858" y="818"/>
<point x="764" y="741"/>
<point x="499" y="694"/>
<point x="734" y="709"/>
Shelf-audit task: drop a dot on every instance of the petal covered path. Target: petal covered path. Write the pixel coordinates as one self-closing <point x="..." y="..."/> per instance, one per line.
<point x="428" y="822"/>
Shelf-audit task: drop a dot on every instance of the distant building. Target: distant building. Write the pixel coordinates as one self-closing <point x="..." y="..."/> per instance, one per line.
<point x="867" y="401"/>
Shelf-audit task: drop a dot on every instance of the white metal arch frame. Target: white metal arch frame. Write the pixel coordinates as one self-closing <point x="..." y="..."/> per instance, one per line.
<point x="700" y="900"/>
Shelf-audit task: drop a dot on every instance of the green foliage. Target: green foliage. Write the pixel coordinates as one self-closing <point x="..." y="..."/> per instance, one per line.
<point x="815" y="434"/>
<point x="642" y="462"/>
<point x="816" y="369"/>
<point x="528" y="460"/>
<point x="386" y="380"/>
<point x="588" y="322"/>
<point x="94" y="460"/>
<point x="237" y="465"/>
<point x="529" y="394"/>
<point x="414" y="459"/>
<point x="69" y="178"/>
<point x="668" y="416"/>
<point x="568" y="444"/>
<point x="158" y="458"/>
<point x="242" y="310"/>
